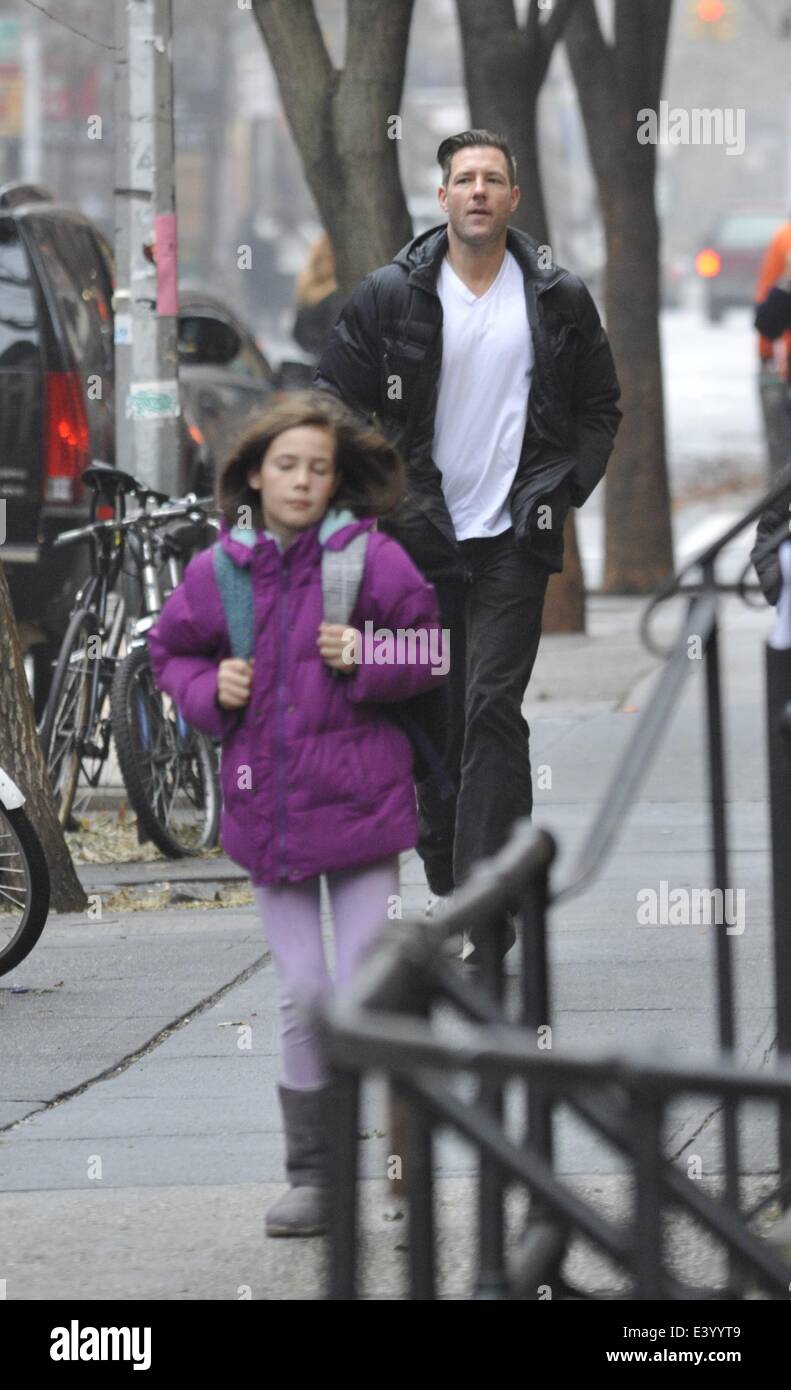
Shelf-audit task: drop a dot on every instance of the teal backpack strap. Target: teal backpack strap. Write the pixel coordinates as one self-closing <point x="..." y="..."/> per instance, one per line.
<point x="236" y="591"/>
<point x="341" y="577"/>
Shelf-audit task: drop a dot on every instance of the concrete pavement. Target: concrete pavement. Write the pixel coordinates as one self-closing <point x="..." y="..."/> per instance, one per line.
<point x="141" y="1142"/>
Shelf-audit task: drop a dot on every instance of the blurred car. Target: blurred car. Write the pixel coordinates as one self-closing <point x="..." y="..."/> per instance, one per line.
<point x="57" y="407"/>
<point x="224" y="376"/>
<point x="729" y="262"/>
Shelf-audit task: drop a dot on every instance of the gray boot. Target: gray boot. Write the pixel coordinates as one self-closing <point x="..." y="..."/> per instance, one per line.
<point x="302" y="1210"/>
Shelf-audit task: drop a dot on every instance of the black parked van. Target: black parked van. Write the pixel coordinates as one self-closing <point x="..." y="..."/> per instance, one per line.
<point x="56" y="401"/>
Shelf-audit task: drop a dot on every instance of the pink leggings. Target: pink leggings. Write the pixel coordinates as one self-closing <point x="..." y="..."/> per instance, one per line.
<point x="291" y="916"/>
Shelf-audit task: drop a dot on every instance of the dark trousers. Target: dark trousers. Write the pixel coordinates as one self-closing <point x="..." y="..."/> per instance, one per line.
<point x="494" y="617"/>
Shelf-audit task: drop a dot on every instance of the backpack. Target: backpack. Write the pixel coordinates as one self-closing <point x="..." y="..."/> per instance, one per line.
<point x="341" y="577"/>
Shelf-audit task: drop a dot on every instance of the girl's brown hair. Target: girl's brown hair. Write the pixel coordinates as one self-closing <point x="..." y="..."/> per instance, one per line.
<point x="373" y="472"/>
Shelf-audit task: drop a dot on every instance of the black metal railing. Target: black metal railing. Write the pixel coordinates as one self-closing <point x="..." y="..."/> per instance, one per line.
<point x="383" y="1021"/>
<point x="624" y="1100"/>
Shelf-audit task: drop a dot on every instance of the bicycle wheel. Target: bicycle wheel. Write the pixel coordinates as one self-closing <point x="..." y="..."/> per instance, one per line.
<point x="169" y="769"/>
<point x="24" y="888"/>
<point x="65" y="732"/>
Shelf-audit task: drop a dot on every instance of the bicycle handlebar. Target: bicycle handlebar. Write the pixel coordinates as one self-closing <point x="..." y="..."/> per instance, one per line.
<point x="199" y="507"/>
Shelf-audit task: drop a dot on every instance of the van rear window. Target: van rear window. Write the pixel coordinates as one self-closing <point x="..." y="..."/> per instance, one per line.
<point x="19" y="330"/>
<point x="78" y="280"/>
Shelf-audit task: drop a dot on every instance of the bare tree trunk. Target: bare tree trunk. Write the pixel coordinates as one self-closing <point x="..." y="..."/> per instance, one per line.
<point x="564" y="605"/>
<point x="22" y="759"/>
<point x="504" y="67"/>
<point x="614" y="82"/>
<point x="342" y="123"/>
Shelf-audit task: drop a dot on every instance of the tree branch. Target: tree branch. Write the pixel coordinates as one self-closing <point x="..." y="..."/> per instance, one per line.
<point x="592" y="59"/>
<point x="493" y="50"/>
<point x="553" y="27"/>
<point x="391" y="26"/>
<point x="478" y="21"/>
<point x="533" y="25"/>
<point x="641" y="32"/>
<point x="546" y="36"/>
<point x="584" y="33"/>
<point x="301" y="64"/>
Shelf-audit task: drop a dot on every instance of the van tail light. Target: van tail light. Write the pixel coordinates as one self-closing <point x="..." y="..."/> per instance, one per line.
<point x="66" y="438"/>
<point x="196" y="434"/>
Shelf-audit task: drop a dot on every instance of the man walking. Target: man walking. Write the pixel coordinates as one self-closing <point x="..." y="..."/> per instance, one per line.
<point x="489" y="367"/>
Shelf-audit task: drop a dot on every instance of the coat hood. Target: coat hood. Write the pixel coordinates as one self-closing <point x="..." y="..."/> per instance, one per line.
<point x="335" y="530"/>
<point x="423" y="255"/>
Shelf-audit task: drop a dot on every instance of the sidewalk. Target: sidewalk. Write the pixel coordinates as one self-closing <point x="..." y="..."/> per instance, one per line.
<point x="128" y="1047"/>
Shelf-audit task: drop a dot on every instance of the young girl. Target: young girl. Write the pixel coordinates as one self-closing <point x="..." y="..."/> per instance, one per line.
<point x="316" y="778"/>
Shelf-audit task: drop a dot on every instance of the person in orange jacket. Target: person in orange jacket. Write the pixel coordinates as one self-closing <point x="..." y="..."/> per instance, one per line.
<point x="772" y="270"/>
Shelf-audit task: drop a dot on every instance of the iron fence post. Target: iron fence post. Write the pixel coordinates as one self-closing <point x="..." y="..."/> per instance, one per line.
<point x="719" y="836"/>
<point x="535" y="1013"/>
<point x="534" y="1000"/>
<point x="343" y="1109"/>
<point x="421" y="1196"/>
<point x="647" y="1115"/>
<point x="491" y="1280"/>
<point x="778" y="722"/>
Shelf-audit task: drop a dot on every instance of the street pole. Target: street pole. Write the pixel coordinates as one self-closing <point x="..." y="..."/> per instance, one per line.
<point x="788" y="151"/>
<point x="146" y="293"/>
<point x="30" y="165"/>
<point x="778" y="691"/>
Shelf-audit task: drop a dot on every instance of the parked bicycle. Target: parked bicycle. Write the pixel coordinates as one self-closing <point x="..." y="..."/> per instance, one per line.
<point x="24" y="878"/>
<point x="103" y="690"/>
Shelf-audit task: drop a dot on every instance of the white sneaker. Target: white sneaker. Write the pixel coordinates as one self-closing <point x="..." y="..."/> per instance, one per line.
<point x="437" y="904"/>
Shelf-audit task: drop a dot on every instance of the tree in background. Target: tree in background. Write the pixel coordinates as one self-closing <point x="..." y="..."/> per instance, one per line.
<point x="21" y="757"/>
<point x="616" y="80"/>
<point x="505" y="64"/>
<point x="343" y="122"/>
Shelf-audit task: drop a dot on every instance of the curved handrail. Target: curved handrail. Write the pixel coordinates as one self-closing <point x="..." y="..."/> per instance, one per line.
<point x="700" y="622"/>
<point x="639" y="752"/>
<point x="705" y="560"/>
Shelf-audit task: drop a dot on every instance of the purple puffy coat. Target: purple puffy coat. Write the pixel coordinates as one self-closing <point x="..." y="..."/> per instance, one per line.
<point x="315" y="776"/>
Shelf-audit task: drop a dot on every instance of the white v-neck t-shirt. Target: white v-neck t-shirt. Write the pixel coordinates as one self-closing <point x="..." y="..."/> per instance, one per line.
<point x="484" y="384"/>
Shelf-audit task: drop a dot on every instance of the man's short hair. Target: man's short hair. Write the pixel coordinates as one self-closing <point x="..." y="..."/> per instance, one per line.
<point x="468" y="139"/>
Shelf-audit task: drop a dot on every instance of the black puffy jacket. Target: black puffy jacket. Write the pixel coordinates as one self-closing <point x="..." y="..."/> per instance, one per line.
<point x="383" y="359"/>
<point x="773" y="527"/>
<point x="773" y="316"/>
